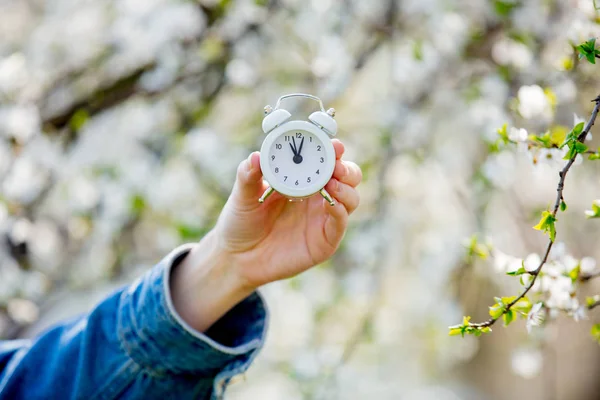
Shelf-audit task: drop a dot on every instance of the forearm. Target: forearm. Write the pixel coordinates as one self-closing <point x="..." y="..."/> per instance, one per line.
<point x="205" y="286"/>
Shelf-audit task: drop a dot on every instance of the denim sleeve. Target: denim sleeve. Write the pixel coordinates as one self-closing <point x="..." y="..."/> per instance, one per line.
<point x="134" y="345"/>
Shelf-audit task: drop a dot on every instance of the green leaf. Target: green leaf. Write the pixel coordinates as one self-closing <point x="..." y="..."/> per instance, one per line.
<point x="507" y="300"/>
<point x="456" y="331"/>
<point x="591" y="300"/>
<point x="79" y="119"/>
<point x="476" y="249"/>
<point x="518" y="272"/>
<point x="503" y="133"/>
<point x="595" y="211"/>
<point x="138" y="204"/>
<point x="595" y="156"/>
<point x="573" y="135"/>
<point x="595" y="332"/>
<point x="190" y="232"/>
<point x="504" y="7"/>
<point x="508" y="317"/>
<point x="417" y="50"/>
<point x="574" y="273"/>
<point x="546" y="225"/>
<point x="591" y="57"/>
<point x="523" y="306"/>
<point x="496" y="310"/>
<point x="545" y="140"/>
<point x="588" y="50"/>
<point x="563" y="206"/>
<point x="580" y="147"/>
<point x="577" y="129"/>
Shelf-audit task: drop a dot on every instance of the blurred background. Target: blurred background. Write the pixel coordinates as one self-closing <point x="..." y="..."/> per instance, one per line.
<point x="122" y="124"/>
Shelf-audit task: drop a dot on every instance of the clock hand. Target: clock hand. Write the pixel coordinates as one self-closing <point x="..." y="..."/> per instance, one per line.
<point x="293" y="150"/>
<point x="297" y="157"/>
<point x="301" y="144"/>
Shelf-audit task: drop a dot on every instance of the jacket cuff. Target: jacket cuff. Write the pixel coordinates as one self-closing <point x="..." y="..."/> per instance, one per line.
<point x="157" y="338"/>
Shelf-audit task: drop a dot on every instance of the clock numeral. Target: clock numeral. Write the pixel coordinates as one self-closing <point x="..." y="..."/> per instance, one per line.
<point x="278" y="146"/>
<point x="298" y="135"/>
<point x="322" y="160"/>
<point x="272" y="158"/>
<point x="308" y="180"/>
<point x="317" y="172"/>
<point x="285" y="178"/>
<point x="288" y="138"/>
<point x="296" y="183"/>
<point x="310" y="139"/>
<point x="276" y="170"/>
<point x="318" y="148"/>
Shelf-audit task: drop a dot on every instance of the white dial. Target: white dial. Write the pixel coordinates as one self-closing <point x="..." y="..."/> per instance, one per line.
<point x="297" y="159"/>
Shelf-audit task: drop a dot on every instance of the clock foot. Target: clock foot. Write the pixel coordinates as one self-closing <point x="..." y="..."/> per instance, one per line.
<point x="327" y="197"/>
<point x="266" y="194"/>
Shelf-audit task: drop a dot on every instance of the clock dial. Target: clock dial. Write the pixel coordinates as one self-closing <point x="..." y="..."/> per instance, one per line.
<point x="297" y="158"/>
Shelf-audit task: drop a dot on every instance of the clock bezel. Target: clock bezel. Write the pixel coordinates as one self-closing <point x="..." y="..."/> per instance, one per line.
<point x="327" y="169"/>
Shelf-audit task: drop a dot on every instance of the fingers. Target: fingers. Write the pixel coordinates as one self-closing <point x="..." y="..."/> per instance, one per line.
<point x="344" y="194"/>
<point x="249" y="182"/>
<point x="335" y="225"/>
<point x="347" y="172"/>
<point x="339" y="148"/>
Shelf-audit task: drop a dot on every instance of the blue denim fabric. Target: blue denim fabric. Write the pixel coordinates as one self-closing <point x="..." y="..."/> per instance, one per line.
<point x="134" y="345"/>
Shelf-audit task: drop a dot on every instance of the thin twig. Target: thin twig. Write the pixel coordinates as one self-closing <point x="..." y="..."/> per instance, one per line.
<point x="559" y="197"/>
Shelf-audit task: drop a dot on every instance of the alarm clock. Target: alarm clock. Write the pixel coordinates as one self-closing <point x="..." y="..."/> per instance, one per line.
<point x="297" y="158"/>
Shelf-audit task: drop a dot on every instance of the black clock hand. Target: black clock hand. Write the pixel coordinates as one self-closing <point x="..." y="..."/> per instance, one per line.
<point x="301" y="144"/>
<point x="297" y="157"/>
<point x="293" y="150"/>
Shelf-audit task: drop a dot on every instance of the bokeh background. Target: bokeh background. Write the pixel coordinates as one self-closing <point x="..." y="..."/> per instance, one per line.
<point x="122" y="124"/>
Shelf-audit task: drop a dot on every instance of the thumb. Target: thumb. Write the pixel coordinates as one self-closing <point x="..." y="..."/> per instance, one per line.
<point x="249" y="182"/>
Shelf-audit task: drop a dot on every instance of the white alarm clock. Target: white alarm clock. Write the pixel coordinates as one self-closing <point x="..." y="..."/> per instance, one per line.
<point x="297" y="158"/>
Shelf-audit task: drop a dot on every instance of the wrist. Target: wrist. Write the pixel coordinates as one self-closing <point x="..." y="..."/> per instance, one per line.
<point x="206" y="284"/>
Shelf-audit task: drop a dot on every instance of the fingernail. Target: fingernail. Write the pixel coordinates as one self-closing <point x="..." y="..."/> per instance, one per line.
<point x="250" y="166"/>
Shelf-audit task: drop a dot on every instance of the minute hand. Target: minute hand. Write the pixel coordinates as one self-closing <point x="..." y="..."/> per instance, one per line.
<point x="301" y="144"/>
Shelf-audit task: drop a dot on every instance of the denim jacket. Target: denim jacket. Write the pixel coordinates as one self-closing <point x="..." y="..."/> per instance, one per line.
<point x="133" y="345"/>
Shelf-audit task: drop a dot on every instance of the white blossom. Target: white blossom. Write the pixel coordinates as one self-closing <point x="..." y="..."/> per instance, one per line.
<point x="532" y="262"/>
<point x="587" y="265"/>
<point x="517" y="134"/>
<point x="535" y="317"/>
<point x="533" y="102"/>
<point x="504" y="262"/>
<point x="527" y="362"/>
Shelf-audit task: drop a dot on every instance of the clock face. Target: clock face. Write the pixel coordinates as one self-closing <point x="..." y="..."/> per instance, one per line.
<point x="298" y="159"/>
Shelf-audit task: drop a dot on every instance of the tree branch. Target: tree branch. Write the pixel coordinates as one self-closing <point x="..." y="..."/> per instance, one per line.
<point x="559" y="197"/>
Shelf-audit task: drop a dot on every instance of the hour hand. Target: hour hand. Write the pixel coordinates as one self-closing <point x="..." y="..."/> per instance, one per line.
<point x="297" y="157"/>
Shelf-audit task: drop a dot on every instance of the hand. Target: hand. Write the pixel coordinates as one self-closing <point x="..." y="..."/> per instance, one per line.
<point x="254" y="244"/>
<point x="279" y="239"/>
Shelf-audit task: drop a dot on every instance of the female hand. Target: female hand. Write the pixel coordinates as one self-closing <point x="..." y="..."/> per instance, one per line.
<point x="254" y="244"/>
<point x="279" y="239"/>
